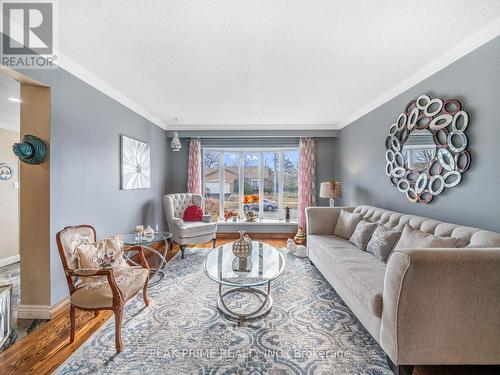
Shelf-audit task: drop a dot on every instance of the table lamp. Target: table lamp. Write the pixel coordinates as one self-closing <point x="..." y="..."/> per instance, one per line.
<point x="330" y="189"/>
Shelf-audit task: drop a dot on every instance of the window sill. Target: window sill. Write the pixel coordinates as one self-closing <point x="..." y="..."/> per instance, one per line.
<point x="257" y="223"/>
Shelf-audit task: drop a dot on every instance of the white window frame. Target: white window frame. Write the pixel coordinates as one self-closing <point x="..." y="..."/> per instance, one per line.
<point x="241" y="151"/>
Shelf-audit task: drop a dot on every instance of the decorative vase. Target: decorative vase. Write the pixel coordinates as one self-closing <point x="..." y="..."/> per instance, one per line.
<point x="287" y="214"/>
<point x="300" y="237"/>
<point x="242" y="248"/>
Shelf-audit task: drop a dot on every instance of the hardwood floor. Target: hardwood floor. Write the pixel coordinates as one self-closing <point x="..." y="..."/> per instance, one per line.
<point x="42" y="351"/>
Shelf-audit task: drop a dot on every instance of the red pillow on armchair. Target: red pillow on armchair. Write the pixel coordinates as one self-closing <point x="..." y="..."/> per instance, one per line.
<point x="193" y="213"/>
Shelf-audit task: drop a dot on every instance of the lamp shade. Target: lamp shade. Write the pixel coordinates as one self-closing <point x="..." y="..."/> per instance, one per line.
<point x="330" y="189"/>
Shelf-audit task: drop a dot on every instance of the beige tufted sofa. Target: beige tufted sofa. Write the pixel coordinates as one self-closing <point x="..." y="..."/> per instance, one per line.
<point x="425" y="306"/>
<point x="184" y="232"/>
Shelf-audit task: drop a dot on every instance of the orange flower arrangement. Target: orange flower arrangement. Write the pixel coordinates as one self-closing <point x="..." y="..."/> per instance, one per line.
<point x="253" y="198"/>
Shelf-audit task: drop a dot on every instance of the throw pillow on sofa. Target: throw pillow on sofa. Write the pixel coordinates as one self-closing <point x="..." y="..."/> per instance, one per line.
<point x="107" y="253"/>
<point x="193" y="213"/>
<point x="416" y="239"/>
<point x="362" y="234"/>
<point x="382" y="242"/>
<point x="346" y="224"/>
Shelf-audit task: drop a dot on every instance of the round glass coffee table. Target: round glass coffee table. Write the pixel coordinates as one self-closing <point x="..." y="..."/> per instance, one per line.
<point x="245" y="275"/>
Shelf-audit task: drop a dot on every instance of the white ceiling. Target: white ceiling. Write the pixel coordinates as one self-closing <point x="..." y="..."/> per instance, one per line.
<point x="265" y="64"/>
<point x="9" y="111"/>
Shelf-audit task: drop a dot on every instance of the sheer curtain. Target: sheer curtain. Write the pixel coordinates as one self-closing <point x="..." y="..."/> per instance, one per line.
<point x="307" y="177"/>
<point x="194" y="166"/>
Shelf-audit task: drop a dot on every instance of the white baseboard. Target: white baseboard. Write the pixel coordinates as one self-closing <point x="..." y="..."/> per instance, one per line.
<point x="9" y="260"/>
<point x="59" y="307"/>
<point x="33" y="311"/>
<point x="41" y="311"/>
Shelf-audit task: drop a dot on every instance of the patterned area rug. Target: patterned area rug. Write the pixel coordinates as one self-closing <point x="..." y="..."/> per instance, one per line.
<point x="308" y="331"/>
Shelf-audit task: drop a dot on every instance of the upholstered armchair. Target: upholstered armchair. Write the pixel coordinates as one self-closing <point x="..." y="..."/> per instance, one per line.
<point x="103" y="288"/>
<point x="187" y="232"/>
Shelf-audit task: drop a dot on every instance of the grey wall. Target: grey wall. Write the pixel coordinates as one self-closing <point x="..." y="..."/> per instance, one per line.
<point x="85" y="164"/>
<point x="327" y="164"/>
<point x="178" y="168"/>
<point x="475" y="81"/>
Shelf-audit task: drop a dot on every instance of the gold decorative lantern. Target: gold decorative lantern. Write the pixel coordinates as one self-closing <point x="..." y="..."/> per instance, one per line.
<point x="300" y="237"/>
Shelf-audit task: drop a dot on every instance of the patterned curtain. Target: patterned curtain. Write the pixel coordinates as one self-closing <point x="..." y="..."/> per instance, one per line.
<point x="194" y="166"/>
<point x="307" y="177"/>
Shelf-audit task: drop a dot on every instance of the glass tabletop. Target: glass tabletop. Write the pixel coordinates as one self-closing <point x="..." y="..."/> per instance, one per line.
<point x="265" y="264"/>
<point x="132" y="239"/>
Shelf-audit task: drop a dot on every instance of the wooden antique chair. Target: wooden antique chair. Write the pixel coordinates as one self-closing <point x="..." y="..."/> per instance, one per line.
<point x="99" y="289"/>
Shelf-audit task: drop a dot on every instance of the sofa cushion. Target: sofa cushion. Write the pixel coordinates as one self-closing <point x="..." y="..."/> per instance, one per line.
<point x="363" y="274"/>
<point x="416" y="239"/>
<point x="346" y="224"/>
<point x="195" y="228"/>
<point x="484" y="238"/>
<point x="362" y="234"/>
<point x="360" y="271"/>
<point x="470" y="237"/>
<point x="329" y="242"/>
<point x="383" y="242"/>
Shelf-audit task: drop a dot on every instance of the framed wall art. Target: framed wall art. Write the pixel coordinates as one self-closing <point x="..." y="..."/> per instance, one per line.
<point x="135" y="164"/>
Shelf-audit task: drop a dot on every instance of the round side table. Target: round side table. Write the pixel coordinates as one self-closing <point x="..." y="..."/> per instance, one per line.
<point x="146" y="242"/>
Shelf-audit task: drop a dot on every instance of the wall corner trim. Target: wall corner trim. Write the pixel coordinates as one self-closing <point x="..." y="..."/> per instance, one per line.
<point x="469" y="44"/>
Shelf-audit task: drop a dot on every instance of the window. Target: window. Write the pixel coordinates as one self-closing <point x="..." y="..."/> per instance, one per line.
<point x="211" y="182"/>
<point x="254" y="184"/>
<point x="264" y="181"/>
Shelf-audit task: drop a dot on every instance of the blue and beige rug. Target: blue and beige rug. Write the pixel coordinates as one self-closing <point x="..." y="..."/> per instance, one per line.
<point x="308" y="331"/>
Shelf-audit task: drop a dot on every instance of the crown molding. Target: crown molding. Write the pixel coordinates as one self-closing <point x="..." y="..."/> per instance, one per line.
<point x="80" y="72"/>
<point x="220" y="134"/>
<point x="251" y="127"/>
<point x="469" y="44"/>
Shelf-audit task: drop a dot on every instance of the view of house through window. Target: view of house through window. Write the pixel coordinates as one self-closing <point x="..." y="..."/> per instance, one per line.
<point x="264" y="181"/>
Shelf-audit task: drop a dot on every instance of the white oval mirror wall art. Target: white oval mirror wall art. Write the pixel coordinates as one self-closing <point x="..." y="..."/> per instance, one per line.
<point x="426" y="148"/>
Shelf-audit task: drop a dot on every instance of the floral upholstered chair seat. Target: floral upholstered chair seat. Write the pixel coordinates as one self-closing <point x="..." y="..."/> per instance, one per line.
<point x="94" y="292"/>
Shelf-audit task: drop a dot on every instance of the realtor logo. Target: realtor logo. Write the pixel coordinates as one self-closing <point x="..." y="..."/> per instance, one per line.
<point x="28" y="34"/>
